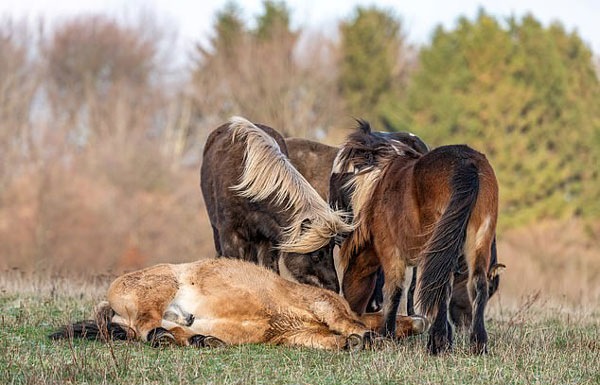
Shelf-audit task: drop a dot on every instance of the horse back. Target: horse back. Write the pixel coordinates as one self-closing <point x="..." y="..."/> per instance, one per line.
<point x="314" y="161"/>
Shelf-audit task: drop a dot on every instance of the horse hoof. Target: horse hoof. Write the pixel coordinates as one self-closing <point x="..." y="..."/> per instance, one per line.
<point x="438" y="344"/>
<point x="214" y="342"/>
<point x="190" y="319"/>
<point x="201" y="341"/>
<point x="354" y="343"/>
<point x="420" y="324"/>
<point x="479" y="349"/>
<point x="160" y="337"/>
<point x="479" y="344"/>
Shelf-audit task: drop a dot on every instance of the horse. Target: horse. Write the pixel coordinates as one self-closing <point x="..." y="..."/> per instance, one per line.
<point x="221" y="302"/>
<point x="314" y="161"/>
<point x="420" y="209"/>
<point x="262" y="209"/>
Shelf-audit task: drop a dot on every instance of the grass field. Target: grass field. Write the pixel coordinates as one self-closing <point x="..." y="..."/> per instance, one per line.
<point x="528" y="345"/>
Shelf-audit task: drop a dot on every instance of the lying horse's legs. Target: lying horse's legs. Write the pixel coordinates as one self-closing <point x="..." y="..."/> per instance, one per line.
<point x="332" y="310"/>
<point x="405" y="325"/>
<point x="185" y="337"/>
<point x="320" y="337"/>
<point x="149" y="327"/>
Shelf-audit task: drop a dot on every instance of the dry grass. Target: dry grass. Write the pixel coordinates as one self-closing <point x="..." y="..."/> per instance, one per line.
<point x="541" y="331"/>
<point x="528" y="345"/>
<point x="558" y="260"/>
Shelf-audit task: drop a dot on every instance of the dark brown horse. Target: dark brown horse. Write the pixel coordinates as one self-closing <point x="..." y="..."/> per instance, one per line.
<point x="259" y="205"/>
<point x="428" y="210"/>
<point x="314" y="160"/>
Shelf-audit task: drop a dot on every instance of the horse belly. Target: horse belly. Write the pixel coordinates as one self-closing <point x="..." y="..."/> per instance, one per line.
<point x="236" y="318"/>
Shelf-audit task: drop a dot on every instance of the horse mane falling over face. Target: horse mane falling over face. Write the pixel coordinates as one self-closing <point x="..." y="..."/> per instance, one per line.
<point x="260" y="206"/>
<point x="420" y="209"/>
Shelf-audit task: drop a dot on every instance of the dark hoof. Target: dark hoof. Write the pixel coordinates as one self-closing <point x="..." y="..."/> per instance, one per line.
<point x="354" y="343"/>
<point x="200" y="341"/>
<point x="190" y="319"/>
<point x="160" y="337"/>
<point x="438" y="343"/>
<point x="479" y="344"/>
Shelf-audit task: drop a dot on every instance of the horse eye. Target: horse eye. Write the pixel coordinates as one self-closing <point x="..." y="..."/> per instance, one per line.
<point x="315" y="257"/>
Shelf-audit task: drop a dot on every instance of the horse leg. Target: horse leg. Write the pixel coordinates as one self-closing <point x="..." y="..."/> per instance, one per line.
<point x="148" y="325"/>
<point x="405" y="325"/>
<point x="394" y="269"/>
<point x="217" y="241"/>
<point x="332" y="310"/>
<point x="234" y="245"/>
<point x="410" y="295"/>
<point x="320" y="337"/>
<point x="185" y="337"/>
<point x="440" y="334"/>
<point x="478" y="293"/>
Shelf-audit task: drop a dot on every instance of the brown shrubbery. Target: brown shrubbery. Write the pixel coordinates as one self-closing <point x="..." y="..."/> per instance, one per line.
<point x="92" y="170"/>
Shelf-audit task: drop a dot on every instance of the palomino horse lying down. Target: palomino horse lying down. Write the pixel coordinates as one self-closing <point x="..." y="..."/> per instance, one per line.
<point x="228" y="302"/>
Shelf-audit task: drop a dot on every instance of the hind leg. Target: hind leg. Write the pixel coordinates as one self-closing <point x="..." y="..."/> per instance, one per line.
<point x="440" y="333"/>
<point x="478" y="293"/>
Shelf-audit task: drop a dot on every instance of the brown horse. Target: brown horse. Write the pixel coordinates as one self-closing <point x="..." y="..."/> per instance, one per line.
<point x="317" y="162"/>
<point x="221" y="302"/>
<point x="259" y="205"/>
<point x="314" y="161"/>
<point x="420" y="209"/>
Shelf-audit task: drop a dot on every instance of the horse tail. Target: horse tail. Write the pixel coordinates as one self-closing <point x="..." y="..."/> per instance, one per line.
<point x="99" y="328"/>
<point x="447" y="241"/>
<point x="268" y="173"/>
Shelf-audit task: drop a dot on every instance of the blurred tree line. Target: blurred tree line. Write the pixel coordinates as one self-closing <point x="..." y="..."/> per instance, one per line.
<point x="95" y="129"/>
<point x="526" y="95"/>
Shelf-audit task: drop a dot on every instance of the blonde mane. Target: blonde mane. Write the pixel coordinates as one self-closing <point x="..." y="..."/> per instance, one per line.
<point x="268" y="173"/>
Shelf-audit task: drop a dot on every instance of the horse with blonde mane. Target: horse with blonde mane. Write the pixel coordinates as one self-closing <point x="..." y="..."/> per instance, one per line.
<point x="262" y="209"/>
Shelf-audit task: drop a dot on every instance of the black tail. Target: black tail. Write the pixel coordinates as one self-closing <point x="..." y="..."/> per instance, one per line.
<point x="448" y="239"/>
<point x="101" y="328"/>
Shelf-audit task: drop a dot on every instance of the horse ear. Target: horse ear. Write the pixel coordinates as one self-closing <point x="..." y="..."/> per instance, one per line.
<point x="363" y="126"/>
<point x="496" y="270"/>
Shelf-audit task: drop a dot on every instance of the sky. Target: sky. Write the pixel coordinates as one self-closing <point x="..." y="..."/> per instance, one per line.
<point x="193" y="19"/>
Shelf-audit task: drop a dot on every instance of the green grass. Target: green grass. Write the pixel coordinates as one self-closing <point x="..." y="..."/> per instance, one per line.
<point x="527" y="348"/>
